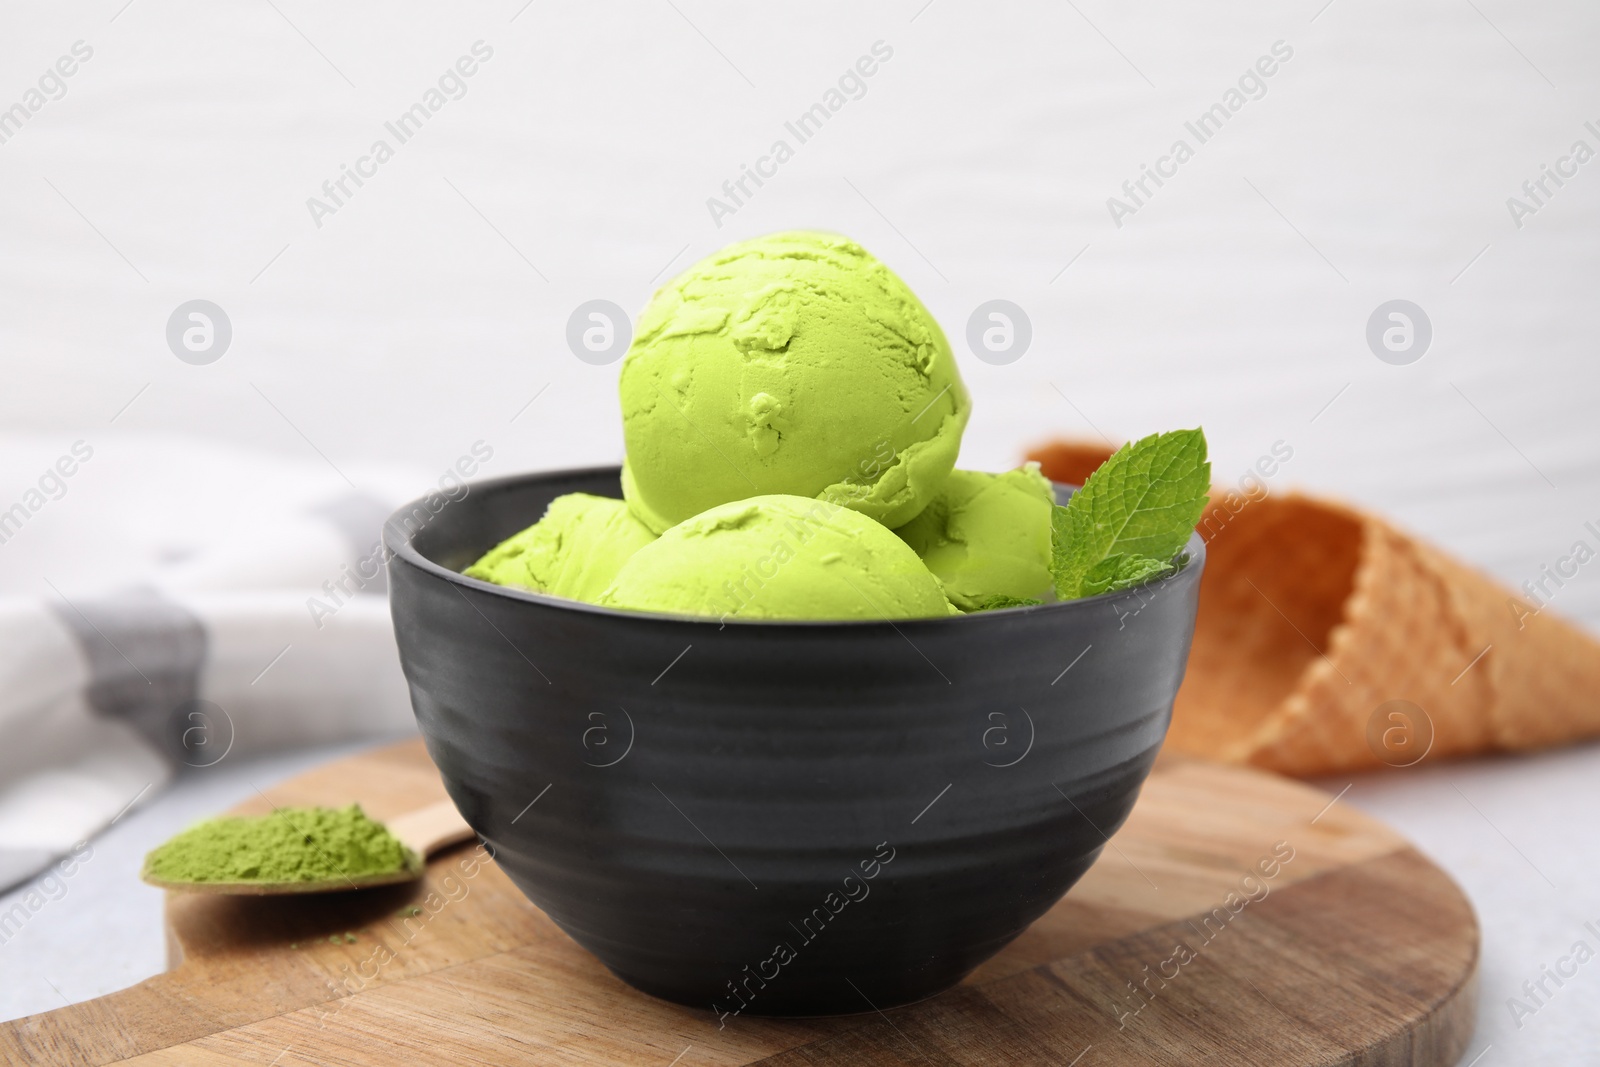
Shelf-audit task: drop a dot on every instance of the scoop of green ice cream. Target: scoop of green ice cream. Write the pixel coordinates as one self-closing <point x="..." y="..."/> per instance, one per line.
<point x="778" y="557"/>
<point x="797" y="364"/>
<point x="574" y="551"/>
<point x="987" y="537"/>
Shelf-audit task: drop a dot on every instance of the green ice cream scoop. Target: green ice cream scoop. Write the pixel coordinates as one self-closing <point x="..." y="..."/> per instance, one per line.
<point x="778" y="557"/>
<point x="794" y="364"/>
<point x="574" y="551"/>
<point x="987" y="537"/>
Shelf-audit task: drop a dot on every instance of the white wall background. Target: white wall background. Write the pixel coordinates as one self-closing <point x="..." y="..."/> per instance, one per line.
<point x="432" y="306"/>
<point x="983" y="152"/>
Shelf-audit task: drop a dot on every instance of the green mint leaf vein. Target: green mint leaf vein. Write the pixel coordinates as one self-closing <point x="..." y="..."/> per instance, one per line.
<point x="1137" y="509"/>
<point x="1115" y="573"/>
<point x="1001" y="600"/>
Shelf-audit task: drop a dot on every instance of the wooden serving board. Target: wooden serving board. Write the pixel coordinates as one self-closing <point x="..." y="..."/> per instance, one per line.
<point x="1356" y="951"/>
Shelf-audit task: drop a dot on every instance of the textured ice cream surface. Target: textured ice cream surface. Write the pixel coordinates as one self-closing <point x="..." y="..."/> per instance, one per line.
<point x="793" y="364"/>
<point x="987" y="537"/>
<point x="779" y="557"/>
<point x="574" y="551"/>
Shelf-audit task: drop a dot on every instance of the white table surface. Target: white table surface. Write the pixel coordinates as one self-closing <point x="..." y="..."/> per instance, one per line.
<point x="430" y="309"/>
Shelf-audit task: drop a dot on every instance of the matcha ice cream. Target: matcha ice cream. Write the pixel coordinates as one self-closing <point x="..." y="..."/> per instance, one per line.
<point x="792" y="415"/>
<point x="793" y="364"/>
<point x="987" y="537"/>
<point x="574" y="551"/>
<point x="778" y="557"/>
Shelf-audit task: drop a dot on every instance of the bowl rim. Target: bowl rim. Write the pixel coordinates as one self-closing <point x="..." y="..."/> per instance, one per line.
<point x="399" y="544"/>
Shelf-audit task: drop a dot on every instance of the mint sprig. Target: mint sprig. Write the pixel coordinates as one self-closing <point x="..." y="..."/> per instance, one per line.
<point x="1120" y="572"/>
<point x="1132" y="516"/>
<point x="1001" y="600"/>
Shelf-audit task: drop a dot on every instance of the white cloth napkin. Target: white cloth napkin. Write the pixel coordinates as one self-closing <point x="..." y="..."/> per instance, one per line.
<point x="152" y="626"/>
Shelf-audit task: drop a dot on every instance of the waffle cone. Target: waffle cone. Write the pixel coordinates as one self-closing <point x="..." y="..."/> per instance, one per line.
<point x="1316" y="618"/>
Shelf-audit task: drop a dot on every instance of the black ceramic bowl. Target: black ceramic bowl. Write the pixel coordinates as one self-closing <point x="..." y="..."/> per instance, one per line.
<point x="778" y="818"/>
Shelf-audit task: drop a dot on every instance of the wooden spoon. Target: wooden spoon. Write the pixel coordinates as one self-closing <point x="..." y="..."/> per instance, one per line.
<point x="423" y="832"/>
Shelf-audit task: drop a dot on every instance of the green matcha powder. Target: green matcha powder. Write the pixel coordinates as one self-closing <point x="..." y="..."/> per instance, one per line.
<point x="290" y="845"/>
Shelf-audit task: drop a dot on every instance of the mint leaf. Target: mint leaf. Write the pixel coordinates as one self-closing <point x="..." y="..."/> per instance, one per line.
<point x="1138" y="508"/>
<point x="1000" y="600"/>
<point x="1115" y="573"/>
<point x="1060" y="553"/>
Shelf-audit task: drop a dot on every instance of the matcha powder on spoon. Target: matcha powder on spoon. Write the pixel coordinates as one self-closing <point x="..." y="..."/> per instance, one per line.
<point x="290" y="845"/>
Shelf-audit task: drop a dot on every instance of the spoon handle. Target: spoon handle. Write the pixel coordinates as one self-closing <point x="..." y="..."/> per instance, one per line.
<point x="427" y="830"/>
